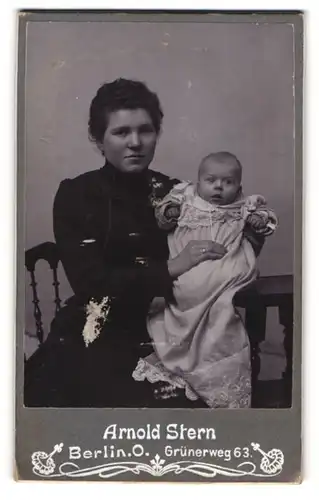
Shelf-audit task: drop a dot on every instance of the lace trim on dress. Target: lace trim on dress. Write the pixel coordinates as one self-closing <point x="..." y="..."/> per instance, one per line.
<point x="229" y="392"/>
<point x="203" y="214"/>
<point x="193" y="217"/>
<point x="158" y="373"/>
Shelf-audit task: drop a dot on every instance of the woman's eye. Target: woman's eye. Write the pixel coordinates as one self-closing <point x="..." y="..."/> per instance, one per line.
<point x="120" y="132"/>
<point x="147" y="130"/>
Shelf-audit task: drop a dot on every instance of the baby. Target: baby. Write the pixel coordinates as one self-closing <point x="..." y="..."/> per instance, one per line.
<point x="219" y="183"/>
<point x="199" y="339"/>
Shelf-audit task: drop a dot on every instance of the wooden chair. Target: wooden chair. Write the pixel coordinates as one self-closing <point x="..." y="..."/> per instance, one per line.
<point x="48" y="252"/>
<point x="270" y="291"/>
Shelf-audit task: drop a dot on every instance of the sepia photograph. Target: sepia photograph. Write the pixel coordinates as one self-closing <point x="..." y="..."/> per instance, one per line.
<point x="158" y="167"/>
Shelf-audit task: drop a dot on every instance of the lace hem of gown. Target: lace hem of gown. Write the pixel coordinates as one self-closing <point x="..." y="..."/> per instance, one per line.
<point x="231" y="392"/>
<point x="158" y="373"/>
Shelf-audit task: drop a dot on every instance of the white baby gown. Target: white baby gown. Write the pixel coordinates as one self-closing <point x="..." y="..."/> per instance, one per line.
<point x="199" y="340"/>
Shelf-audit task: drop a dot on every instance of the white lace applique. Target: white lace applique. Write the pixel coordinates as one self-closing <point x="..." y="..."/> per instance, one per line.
<point x="158" y="373"/>
<point x="155" y="197"/>
<point x="96" y="315"/>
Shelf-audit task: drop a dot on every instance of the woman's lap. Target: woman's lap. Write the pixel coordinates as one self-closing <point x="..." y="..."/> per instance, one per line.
<point x="68" y="374"/>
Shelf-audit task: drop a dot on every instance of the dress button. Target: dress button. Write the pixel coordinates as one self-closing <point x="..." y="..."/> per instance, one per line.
<point x="141" y="261"/>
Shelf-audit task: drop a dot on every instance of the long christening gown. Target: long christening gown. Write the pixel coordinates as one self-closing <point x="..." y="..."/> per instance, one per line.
<point x="199" y="338"/>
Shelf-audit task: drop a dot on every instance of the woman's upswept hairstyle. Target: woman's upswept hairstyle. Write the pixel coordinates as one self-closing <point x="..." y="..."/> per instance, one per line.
<point x="121" y="94"/>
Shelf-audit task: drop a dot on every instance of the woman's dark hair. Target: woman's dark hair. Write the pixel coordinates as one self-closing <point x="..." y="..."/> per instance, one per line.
<point x="121" y="94"/>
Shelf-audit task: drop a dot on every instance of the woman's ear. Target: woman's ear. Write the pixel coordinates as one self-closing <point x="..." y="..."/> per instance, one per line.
<point x="100" y="147"/>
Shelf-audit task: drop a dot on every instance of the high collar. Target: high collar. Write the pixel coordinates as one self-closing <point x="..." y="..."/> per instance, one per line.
<point x="136" y="184"/>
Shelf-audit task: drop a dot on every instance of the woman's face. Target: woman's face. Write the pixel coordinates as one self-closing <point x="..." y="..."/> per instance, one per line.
<point x="129" y="140"/>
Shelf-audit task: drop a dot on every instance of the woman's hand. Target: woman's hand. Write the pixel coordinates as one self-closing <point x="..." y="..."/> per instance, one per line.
<point x="194" y="253"/>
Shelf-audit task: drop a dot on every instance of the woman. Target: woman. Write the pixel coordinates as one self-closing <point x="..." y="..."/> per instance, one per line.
<point x="116" y="260"/>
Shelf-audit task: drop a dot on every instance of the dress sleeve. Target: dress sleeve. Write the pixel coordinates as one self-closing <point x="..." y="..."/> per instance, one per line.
<point x="82" y="254"/>
<point x="257" y="241"/>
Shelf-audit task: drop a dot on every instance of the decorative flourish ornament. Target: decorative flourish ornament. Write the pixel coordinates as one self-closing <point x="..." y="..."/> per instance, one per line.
<point x="272" y="461"/>
<point x="43" y="463"/>
<point x="271" y="465"/>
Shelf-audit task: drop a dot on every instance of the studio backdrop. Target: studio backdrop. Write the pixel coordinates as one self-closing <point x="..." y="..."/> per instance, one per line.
<point x="223" y="87"/>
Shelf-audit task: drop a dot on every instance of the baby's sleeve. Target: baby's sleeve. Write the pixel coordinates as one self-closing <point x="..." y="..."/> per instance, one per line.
<point x="271" y="221"/>
<point x="174" y="198"/>
<point x="257" y="204"/>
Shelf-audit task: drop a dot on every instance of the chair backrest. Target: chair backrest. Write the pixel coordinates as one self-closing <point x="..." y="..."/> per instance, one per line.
<point x="45" y="251"/>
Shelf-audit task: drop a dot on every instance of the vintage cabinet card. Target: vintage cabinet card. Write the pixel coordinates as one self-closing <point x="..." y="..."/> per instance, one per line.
<point x="159" y="246"/>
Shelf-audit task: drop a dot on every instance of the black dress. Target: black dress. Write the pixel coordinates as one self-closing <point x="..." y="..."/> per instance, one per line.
<point x="109" y="245"/>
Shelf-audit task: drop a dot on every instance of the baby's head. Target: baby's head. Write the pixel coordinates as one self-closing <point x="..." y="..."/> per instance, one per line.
<point x="219" y="178"/>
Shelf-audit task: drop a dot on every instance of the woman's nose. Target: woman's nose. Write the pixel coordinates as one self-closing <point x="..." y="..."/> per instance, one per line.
<point x="134" y="140"/>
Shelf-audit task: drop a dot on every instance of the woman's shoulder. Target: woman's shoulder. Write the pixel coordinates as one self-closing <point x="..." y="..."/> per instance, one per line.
<point x="74" y="193"/>
<point x="87" y="185"/>
<point x="82" y="180"/>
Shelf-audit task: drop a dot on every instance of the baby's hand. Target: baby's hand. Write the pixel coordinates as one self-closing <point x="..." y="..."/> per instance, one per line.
<point x="173" y="212"/>
<point x="257" y="221"/>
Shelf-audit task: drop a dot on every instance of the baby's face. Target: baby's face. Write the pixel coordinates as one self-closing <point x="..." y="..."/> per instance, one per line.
<point x="219" y="183"/>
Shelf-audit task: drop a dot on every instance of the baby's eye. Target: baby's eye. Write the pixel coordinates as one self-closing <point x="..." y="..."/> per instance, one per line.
<point x="229" y="182"/>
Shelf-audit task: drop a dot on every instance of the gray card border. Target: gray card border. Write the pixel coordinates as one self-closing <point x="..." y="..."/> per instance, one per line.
<point x="38" y="428"/>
